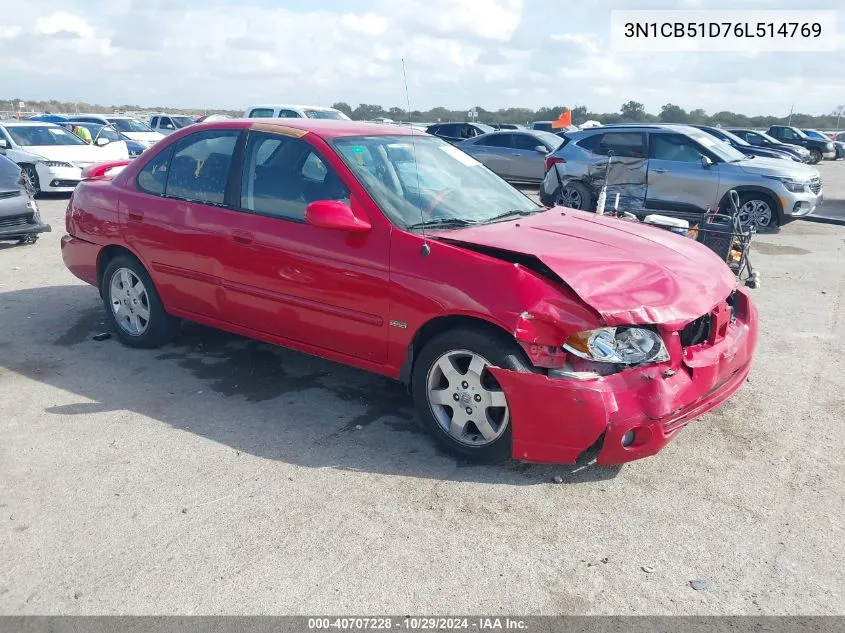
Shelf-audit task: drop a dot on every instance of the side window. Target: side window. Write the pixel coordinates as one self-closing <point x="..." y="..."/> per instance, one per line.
<point x="166" y="124"/>
<point x="789" y="134"/>
<point x="154" y="122"/>
<point x="675" y="147"/>
<point x="200" y="166"/>
<point x="629" y="144"/>
<point x="591" y="143"/>
<point x="289" y="114"/>
<point x="496" y="140"/>
<point x="283" y="180"/>
<point x="751" y="137"/>
<point x="261" y="113"/>
<point x="447" y="130"/>
<point x="526" y="142"/>
<point x="153" y="177"/>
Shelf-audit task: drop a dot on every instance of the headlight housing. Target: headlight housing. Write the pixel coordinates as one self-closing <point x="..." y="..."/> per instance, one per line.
<point x="795" y="186"/>
<point x="55" y="163"/>
<point x="829" y="146"/>
<point x="620" y="345"/>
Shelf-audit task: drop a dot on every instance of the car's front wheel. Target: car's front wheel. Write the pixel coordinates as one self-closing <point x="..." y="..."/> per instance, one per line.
<point x="815" y="156"/>
<point x="759" y="211"/>
<point x="459" y="399"/>
<point x="575" y="196"/>
<point x="133" y="306"/>
<point x="31" y="177"/>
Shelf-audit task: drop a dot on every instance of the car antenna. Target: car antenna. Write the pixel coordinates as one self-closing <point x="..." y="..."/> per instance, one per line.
<point x="425" y="250"/>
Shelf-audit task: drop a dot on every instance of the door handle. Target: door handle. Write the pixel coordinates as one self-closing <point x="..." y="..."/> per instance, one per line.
<point x="137" y="216"/>
<point x="659" y="171"/>
<point x="242" y="237"/>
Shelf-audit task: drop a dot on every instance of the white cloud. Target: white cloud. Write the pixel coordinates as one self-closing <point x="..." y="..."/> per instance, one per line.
<point x="61" y="22"/>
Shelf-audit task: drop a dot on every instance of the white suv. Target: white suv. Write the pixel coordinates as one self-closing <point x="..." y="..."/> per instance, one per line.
<point x="168" y="123"/>
<point x="283" y="111"/>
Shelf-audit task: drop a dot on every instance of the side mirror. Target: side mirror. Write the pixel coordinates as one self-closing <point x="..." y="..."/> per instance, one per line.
<point x="337" y="215"/>
<point x="4" y="145"/>
<point x="706" y="162"/>
<point x="541" y="149"/>
<point x="102" y="141"/>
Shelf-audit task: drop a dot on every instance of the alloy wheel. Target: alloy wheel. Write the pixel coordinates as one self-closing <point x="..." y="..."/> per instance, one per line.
<point x="571" y="197"/>
<point x="757" y="213"/>
<point x="465" y="398"/>
<point x="129" y="301"/>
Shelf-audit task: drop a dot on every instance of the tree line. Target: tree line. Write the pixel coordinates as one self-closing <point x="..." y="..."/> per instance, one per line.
<point x="629" y="112"/>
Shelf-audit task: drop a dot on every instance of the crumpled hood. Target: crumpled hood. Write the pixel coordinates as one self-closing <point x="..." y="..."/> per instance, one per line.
<point x="628" y="272"/>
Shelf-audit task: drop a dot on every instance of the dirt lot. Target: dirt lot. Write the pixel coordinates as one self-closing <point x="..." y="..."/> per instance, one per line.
<point x="219" y="475"/>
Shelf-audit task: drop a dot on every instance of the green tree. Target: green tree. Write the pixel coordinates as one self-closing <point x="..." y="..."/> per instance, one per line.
<point x="670" y="113"/>
<point x="343" y="107"/>
<point x="633" y="111"/>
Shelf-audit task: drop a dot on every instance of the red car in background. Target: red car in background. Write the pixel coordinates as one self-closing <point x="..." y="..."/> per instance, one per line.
<point x="521" y="331"/>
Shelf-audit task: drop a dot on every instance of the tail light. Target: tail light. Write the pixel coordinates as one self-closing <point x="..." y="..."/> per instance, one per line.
<point x="551" y="161"/>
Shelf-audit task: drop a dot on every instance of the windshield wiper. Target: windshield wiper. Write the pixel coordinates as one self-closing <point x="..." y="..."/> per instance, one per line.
<point x="514" y="213"/>
<point x="443" y="223"/>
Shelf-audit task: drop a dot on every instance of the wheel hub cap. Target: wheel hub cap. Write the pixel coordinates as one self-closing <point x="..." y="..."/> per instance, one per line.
<point x="130" y="302"/>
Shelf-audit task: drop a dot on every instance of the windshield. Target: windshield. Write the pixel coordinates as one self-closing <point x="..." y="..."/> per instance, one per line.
<point x="100" y="131"/>
<point x="720" y="148"/>
<point x="771" y="139"/>
<point x="443" y="184"/>
<point x="735" y="138"/>
<point x="42" y="136"/>
<point x="130" y="125"/>
<point x="181" y="121"/>
<point x="326" y="114"/>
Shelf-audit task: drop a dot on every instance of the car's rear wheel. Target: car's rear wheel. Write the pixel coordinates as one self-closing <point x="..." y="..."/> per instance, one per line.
<point x="758" y="210"/>
<point x="815" y="156"/>
<point x="31" y="177"/>
<point x="575" y="196"/>
<point x="459" y="399"/>
<point x="133" y="306"/>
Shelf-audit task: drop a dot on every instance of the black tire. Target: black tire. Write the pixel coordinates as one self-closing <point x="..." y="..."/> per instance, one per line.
<point x="32" y="176"/>
<point x="160" y="328"/>
<point x="577" y="197"/>
<point x="815" y="156"/>
<point x="753" y="196"/>
<point x="497" y="348"/>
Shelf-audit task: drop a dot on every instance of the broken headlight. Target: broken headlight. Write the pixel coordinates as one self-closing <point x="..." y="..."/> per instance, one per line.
<point x="622" y="345"/>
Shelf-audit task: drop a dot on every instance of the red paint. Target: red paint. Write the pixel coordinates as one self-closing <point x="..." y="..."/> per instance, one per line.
<point x="332" y="285"/>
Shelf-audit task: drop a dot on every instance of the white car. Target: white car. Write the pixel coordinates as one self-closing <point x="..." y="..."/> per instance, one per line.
<point x="131" y="128"/>
<point x="167" y="124"/>
<point x="282" y="111"/>
<point x="50" y="156"/>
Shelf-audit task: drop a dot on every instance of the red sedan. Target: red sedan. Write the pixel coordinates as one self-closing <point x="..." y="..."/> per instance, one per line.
<point x="521" y="331"/>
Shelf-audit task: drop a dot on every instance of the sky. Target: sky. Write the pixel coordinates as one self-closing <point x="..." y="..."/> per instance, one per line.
<point x="229" y="54"/>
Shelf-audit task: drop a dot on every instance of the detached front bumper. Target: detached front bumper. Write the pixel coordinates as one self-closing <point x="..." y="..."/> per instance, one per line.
<point x="634" y="413"/>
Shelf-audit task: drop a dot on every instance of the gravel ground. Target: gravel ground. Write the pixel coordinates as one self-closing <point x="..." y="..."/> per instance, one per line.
<point x="219" y="475"/>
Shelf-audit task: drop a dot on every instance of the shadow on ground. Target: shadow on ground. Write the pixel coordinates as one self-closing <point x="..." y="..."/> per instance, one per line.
<point x="289" y="406"/>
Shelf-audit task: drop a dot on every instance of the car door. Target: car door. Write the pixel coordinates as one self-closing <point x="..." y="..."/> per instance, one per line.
<point x="493" y="151"/>
<point x="319" y="287"/>
<point x="677" y="179"/>
<point x="628" y="166"/>
<point x="528" y="164"/>
<point x="175" y="220"/>
<point x="166" y="125"/>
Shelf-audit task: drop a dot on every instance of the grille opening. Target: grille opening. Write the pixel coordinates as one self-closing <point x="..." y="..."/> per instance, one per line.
<point x="697" y="331"/>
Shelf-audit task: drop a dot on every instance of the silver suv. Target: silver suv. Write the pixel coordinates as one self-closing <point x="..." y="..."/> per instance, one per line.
<point x="676" y="170"/>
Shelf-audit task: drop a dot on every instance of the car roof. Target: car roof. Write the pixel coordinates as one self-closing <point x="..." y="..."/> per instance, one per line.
<point x="327" y="128"/>
<point x="14" y="123"/>
<point x="294" y="106"/>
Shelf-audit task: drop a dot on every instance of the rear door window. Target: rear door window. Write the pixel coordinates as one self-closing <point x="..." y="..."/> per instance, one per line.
<point x="495" y="140"/>
<point x="526" y="142"/>
<point x="200" y="166"/>
<point x="153" y="177"/>
<point x="629" y="144"/>
<point x="289" y="114"/>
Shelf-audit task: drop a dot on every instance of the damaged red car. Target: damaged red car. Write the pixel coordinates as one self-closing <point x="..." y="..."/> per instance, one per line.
<point x="521" y="331"/>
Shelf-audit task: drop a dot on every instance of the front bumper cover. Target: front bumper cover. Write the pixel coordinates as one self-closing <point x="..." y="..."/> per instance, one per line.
<point x="555" y="420"/>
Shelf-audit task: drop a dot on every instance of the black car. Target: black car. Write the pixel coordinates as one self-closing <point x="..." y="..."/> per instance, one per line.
<point x="19" y="217"/>
<point x="838" y="145"/>
<point x="744" y="146"/>
<point x="793" y="136"/>
<point x="507" y="126"/>
<point x="759" y="139"/>
<point x="456" y="132"/>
